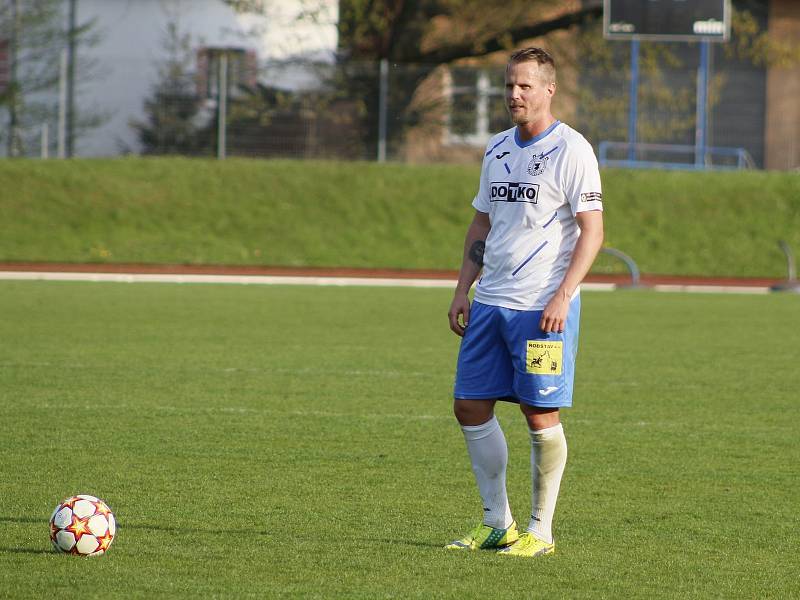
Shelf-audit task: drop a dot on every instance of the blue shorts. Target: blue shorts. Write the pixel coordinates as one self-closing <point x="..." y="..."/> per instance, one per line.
<point x="504" y="355"/>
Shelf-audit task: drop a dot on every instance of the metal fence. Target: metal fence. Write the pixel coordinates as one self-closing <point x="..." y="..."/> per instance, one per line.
<point x="230" y="105"/>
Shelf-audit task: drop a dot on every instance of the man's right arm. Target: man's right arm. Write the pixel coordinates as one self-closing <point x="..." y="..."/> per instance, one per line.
<point x="471" y="264"/>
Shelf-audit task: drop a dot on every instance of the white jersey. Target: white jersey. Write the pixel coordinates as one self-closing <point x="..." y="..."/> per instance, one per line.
<point x="532" y="191"/>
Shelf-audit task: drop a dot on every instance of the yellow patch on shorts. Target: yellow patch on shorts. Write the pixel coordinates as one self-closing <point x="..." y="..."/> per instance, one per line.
<point x="544" y="358"/>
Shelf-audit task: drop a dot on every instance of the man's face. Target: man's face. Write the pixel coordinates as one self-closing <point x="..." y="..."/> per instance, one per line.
<point x="528" y="92"/>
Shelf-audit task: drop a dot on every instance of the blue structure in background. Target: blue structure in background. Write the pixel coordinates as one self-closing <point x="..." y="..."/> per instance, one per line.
<point x="704" y="21"/>
<point x="701" y="130"/>
<point x="697" y="157"/>
<point x="633" y="104"/>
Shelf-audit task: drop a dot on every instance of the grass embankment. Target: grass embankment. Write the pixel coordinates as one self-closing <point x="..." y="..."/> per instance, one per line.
<point x="295" y="213"/>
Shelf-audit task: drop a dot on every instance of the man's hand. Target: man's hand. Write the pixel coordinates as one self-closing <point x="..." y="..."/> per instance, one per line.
<point x="554" y="315"/>
<point x="459" y="308"/>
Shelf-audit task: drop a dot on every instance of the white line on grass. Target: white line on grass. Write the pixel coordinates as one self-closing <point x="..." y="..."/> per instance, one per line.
<point x="330" y="281"/>
<point x="230" y="279"/>
<point x="351" y="372"/>
<point x="712" y="289"/>
<point x="244" y="411"/>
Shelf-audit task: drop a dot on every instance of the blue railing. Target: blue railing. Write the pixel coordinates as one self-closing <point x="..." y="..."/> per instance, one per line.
<point x="740" y="158"/>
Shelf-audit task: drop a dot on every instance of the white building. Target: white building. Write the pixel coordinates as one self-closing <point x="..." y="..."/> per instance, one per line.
<point x="131" y="48"/>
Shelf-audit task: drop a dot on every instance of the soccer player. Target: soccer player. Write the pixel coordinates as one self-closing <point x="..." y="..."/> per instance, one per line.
<point x="537" y="229"/>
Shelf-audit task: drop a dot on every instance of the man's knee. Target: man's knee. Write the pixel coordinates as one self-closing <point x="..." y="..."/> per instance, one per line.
<point x="473" y="412"/>
<point x="540" y="418"/>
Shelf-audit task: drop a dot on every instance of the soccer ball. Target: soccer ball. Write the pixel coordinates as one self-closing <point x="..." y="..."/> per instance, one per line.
<point x="82" y="525"/>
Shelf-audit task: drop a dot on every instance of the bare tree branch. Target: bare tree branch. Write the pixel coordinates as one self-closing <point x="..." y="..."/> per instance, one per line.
<point x="447" y="54"/>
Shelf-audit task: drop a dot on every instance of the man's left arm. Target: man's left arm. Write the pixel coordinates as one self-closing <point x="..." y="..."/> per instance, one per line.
<point x="554" y="315"/>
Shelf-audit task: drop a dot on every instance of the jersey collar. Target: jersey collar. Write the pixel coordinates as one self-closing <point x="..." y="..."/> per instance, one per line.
<point x="535" y="139"/>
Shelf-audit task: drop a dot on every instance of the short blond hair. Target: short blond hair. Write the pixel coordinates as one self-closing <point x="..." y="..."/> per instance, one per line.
<point x="547" y="66"/>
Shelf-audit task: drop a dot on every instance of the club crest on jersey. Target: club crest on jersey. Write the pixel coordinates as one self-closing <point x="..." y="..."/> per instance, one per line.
<point x="518" y="191"/>
<point x="538" y="164"/>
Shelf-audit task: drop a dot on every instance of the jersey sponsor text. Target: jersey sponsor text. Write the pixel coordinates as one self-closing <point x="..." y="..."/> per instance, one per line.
<point x="520" y="191"/>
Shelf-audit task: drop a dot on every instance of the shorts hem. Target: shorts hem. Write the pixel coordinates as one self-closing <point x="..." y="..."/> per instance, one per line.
<point x="539" y="404"/>
<point x="482" y="396"/>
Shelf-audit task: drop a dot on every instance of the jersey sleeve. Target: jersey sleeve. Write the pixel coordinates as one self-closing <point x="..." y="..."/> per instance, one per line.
<point x="482" y="199"/>
<point x="581" y="183"/>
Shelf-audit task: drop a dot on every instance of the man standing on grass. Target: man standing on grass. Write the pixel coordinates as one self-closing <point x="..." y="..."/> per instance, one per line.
<point x="537" y="228"/>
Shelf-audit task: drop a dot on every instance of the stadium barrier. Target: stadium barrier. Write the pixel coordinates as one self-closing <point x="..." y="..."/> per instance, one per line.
<point x="633" y="268"/>
<point x="791" y="284"/>
<point x="657" y="156"/>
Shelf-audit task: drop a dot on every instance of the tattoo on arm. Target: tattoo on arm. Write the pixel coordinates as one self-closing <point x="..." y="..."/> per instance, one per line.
<point x="476" y="252"/>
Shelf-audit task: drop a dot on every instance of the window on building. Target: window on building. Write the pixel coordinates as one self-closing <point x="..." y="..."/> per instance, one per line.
<point x="477" y="105"/>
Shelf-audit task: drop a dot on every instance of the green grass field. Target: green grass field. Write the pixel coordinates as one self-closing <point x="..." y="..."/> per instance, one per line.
<point x="298" y="442"/>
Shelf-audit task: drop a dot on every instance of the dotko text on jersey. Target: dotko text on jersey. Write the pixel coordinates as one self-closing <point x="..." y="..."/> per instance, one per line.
<point x="520" y="191"/>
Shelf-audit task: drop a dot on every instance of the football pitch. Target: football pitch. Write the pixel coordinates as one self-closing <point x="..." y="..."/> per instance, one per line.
<point x="278" y="441"/>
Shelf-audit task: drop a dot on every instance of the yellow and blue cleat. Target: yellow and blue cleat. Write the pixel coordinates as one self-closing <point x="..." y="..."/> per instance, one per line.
<point x="484" y="537"/>
<point x="528" y="545"/>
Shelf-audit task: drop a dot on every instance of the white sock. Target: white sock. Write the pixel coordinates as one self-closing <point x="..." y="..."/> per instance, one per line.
<point x="488" y="453"/>
<point x="548" y="459"/>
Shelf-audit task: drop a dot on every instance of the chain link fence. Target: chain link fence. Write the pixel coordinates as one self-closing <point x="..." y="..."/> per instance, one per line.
<point x="226" y="103"/>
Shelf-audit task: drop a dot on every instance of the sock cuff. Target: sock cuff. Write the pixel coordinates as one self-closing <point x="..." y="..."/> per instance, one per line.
<point x="477" y="432"/>
<point x="547" y="434"/>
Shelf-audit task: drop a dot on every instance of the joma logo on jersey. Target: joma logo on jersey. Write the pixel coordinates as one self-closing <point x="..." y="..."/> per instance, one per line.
<point x="504" y="191"/>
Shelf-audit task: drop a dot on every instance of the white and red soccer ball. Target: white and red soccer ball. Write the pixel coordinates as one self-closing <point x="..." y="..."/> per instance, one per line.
<point x="82" y="525"/>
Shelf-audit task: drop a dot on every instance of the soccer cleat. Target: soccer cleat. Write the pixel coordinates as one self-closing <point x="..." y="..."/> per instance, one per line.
<point x="484" y="537"/>
<point x="528" y="545"/>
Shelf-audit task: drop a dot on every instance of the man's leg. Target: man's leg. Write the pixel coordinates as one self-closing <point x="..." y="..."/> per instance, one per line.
<point x="488" y="454"/>
<point x="473" y="412"/>
<point x="484" y="371"/>
<point x="548" y="459"/>
<point x="544" y="372"/>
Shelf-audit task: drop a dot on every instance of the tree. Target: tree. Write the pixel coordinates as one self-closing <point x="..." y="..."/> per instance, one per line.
<point x="418" y="35"/>
<point x="172" y="112"/>
<point x="443" y="31"/>
<point x="28" y="27"/>
<point x="35" y="36"/>
<point x="438" y="31"/>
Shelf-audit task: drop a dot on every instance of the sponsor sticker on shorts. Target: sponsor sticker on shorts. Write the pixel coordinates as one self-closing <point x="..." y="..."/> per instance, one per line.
<point x="544" y="358"/>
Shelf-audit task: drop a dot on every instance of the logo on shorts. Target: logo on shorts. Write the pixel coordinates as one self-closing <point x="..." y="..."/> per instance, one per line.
<point x="519" y="191"/>
<point x="544" y="358"/>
